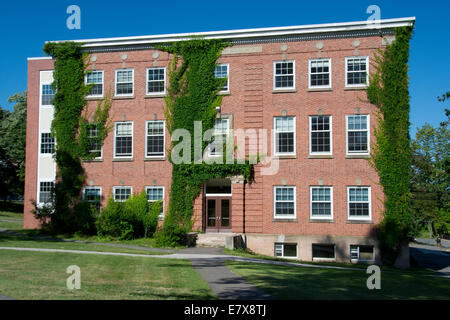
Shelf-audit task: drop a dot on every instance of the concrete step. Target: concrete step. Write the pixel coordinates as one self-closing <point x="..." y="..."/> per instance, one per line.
<point x="216" y="240"/>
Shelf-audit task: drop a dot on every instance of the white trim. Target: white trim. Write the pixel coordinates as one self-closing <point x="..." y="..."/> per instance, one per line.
<point x="330" y="85"/>
<point x="331" y="216"/>
<point x="46" y="155"/>
<point x="367" y="72"/>
<point x="346" y="135"/>
<point x="121" y="187"/>
<point x="39" y="58"/>
<point x="38" y="200"/>
<point x="227" y="136"/>
<point x="101" y="149"/>
<point x="161" y="214"/>
<point x="92" y="187"/>
<point x="360" y="218"/>
<point x="228" y="77"/>
<point x="358" y="259"/>
<point x="274" y="145"/>
<point x="275" y="216"/>
<point x="132" y="142"/>
<point x="310" y="136"/>
<point x="103" y="84"/>
<point x="282" y="253"/>
<point x="115" y="83"/>
<point x="274" y="75"/>
<point x="147" y="81"/>
<point x="146" y="139"/>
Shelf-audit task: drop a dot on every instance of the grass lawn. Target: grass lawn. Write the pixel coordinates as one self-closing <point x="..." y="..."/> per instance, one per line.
<point x="286" y="282"/>
<point x="42" y="275"/>
<point x="11" y="215"/>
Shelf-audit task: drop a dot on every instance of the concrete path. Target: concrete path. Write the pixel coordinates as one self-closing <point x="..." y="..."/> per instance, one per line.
<point x="431" y="257"/>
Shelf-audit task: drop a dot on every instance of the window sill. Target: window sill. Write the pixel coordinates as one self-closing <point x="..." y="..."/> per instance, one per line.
<point x="286" y="156"/>
<point x="224" y="93"/>
<point x="356" y="88"/>
<point x="123" y="97"/>
<point x="122" y="159"/>
<point x="154" y="158"/>
<point x="319" y="89"/>
<point x="151" y="96"/>
<point x="293" y="90"/>
<point x="284" y="220"/>
<point x="93" y="160"/>
<point x="357" y="156"/>
<point x="94" y="98"/>
<point x="312" y="220"/>
<point x="320" y="156"/>
<point x="359" y="221"/>
<point x="324" y="259"/>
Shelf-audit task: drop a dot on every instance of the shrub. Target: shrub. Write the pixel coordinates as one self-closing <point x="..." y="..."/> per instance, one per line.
<point x="150" y="220"/>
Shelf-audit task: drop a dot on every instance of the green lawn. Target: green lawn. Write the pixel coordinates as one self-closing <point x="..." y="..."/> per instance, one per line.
<point x="11" y="215"/>
<point x="286" y="282"/>
<point x="41" y="275"/>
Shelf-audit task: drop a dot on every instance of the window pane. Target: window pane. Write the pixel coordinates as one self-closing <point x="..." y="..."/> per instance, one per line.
<point x="284" y="75"/>
<point x="323" y="251"/>
<point x="290" y="250"/>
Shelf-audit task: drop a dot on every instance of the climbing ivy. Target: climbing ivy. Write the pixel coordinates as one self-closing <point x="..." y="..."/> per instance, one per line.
<point x="193" y="96"/>
<point x="391" y="156"/>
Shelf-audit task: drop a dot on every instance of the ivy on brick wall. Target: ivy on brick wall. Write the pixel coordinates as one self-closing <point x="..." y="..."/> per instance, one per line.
<point x="391" y="156"/>
<point x="193" y="96"/>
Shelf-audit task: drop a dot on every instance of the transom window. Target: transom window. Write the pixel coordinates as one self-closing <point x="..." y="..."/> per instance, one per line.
<point x="284" y="75"/>
<point x="221" y="131"/>
<point x="221" y="71"/>
<point x="156" y="80"/>
<point x="47" y="95"/>
<point x="155" y="138"/>
<point x="284" y="201"/>
<point x="93" y="195"/>
<point x="358" y="134"/>
<point x="121" y="194"/>
<point x="357" y="71"/>
<point x="96" y="146"/>
<point x="124" y="82"/>
<point x="96" y="79"/>
<point x="47" y="143"/>
<point x="284" y="135"/>
<point x="46" y="191"/>
<point x="361" y="253"/>
<point x="321" y="202"/>
<point x="320" y="73"/>
<point x="123" y="146"/>
<point x="156" y="193"/>
<point x="286" y="250"/>
<point x="358" y="203"/>
<point x="320" y="135"/>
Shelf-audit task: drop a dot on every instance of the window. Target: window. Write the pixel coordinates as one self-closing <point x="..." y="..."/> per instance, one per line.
<point x="155" y="138"/>
<point x="286" y="250"/>
<point x="284" y="135"/>
<point x="284" y="204"/>
<point x="123" y="135"/>
<point x="284" y="75"/>
<point x="356" y="71"/>
<point x="320" y="73"/>
<point x="47" y="143"/>
<point x="323" y="251"/>
<point x="121" y="194"/>
<point x="124" y="82"/>
<point x="320" y="135"/>
<point x="47" y="95"/>
<point x="96" y="79"/>
<point x="359" y="203"/>
<point x="221" y="71"/>
<point x="361" y="253"/>
<point x="155" y="194"/>
<point x="93" y="195"/>
<point x="321" y="202"/>
<point x="46" y="189"/>
<point x="156" y="80"/>
<point x="221" y="131"/>
<point x="358" y="134"/>
<point x="96" y="145"/>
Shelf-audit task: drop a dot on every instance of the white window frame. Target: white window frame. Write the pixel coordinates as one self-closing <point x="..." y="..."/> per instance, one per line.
<point x="92" y="187"/>
<point x="103" y="84"/>
<point x="121" y="187"/>
<point x="367" y="72"/>
<point x="228" y="77"/>
<point x="282" y="249"/>
<point x="132" y="140"/>
<point x="147" y="81"/>
<point x="310" y="136"/>
<point x="41" y="94"/>
<point x="227" y="135"/>
<point x="40" y="145"/>
<point x="323" y="259"/>
<point x="331" y="216"/>
<point x="116" y="83"/>
<point x="282" y="217"/>
<point x="358" y="247"/>
<point x="329" y="86"/>
<point x="346" y="135"/>
<point x="359" y="218"/>
<point x="274" y="75"/>
<point x="164" y="139"/>
<point x="39" y="203"/>
<point x="161" y="214"/>
<point x="101" y="149"/>
<point x="275" y="142"/>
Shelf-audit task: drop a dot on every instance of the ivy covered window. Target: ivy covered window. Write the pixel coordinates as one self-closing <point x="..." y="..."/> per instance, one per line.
<point x="47" y="143"/>
<point x="46" y="189"/>
<point x="124" y="82"/>
<point x="320" y="73"/>
<point x="96" y="79"/>
<point x="121" y="194"/>
<point x="156" y="80"/>
<point x="47" y="95"/>
<point x="284" y="130"/>
<point x="123" y="139"/>
<point x="356" y="71"/>
<point x="320" y="135"/>
<point x="96" y="146"/>
<point x="156" y="193"/>
<point x="221" y="71"/>
<point x="93" y="195"/>
<point x="221" y="131"/>
<point x="358" y="203"/>
<point x="321" y="202"/>
<point x="284" y="75"/>
<point x="155" y="138"/>
<point x="284" y="202"/>
<point x="357" y="134"/>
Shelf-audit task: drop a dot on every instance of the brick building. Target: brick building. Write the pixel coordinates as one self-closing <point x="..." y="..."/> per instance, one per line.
<point x="304" y="84"/>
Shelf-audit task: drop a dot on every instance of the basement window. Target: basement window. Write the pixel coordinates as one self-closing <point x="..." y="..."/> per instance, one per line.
<point x="286" y="250"/>
<point x="323" y="251"/>
<point x="361" y="253"/>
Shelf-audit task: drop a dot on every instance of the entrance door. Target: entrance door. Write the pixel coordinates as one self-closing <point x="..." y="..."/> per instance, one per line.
<point x="218" y="214"/>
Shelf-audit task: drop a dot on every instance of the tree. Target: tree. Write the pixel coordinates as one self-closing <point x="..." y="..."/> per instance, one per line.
<point x="12" y="145"/>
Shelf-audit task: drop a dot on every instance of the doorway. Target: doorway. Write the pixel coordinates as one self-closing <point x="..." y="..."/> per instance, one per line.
<point x="218" y="205"/>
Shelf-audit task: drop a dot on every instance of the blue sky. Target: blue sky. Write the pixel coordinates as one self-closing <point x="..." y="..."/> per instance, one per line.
<point x="26" y="25"/>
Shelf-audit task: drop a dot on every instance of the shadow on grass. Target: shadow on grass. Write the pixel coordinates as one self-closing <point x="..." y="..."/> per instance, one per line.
<point x="11" y="206"/>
